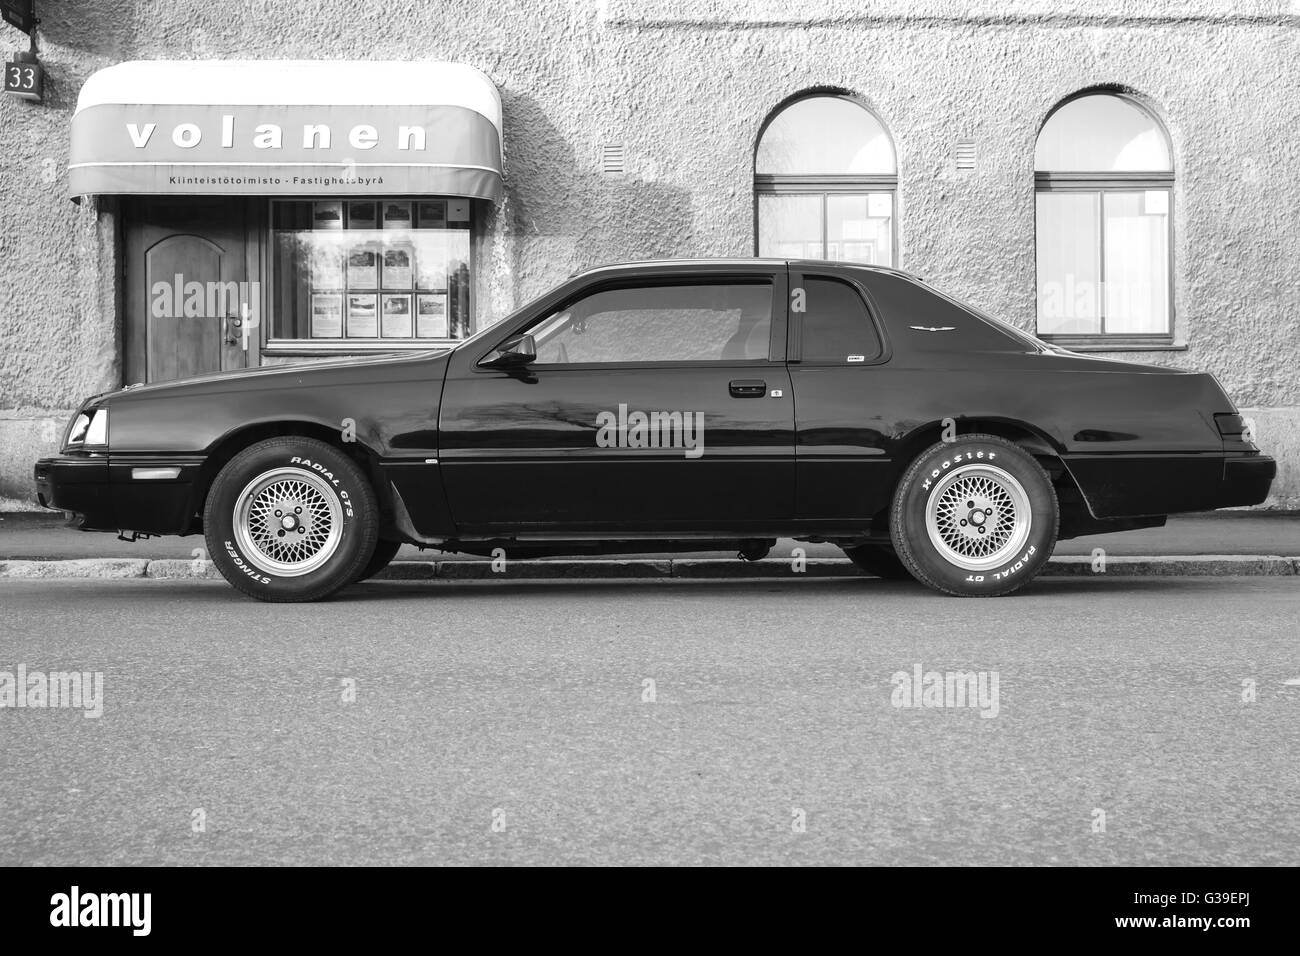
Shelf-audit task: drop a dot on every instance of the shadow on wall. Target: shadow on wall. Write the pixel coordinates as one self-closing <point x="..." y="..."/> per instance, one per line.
<point x="565" y="214"/>
<point x="95" y="29"/>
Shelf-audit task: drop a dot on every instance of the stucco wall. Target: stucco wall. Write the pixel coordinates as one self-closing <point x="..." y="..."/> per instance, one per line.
<point x="684" y="87"/>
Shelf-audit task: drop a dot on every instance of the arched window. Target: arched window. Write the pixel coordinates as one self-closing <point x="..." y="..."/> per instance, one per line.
<point x="825" y="183"/>
<point x="1104" y="195"/>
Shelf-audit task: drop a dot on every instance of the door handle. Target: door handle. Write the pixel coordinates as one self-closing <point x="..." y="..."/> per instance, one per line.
<point x="748" y="388"/>
<point x="236" y="328"/>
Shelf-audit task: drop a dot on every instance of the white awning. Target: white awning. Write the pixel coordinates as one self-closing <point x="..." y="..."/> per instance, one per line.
<point x="300" y="127"/>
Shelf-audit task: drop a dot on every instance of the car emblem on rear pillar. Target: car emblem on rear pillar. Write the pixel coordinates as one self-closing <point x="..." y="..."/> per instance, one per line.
<point x="933" y="328"/>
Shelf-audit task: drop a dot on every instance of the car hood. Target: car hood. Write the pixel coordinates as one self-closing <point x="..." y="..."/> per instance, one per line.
<point x="380" y="367"/>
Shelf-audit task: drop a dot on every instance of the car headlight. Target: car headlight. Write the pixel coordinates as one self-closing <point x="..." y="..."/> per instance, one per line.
<point x="88" y="429"/>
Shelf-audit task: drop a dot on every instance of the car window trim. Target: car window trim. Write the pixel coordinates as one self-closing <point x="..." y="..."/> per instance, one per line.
<point x="677" y="363"/>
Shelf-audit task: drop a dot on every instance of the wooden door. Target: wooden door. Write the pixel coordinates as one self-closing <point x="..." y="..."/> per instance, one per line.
<point x="191" y="265"/>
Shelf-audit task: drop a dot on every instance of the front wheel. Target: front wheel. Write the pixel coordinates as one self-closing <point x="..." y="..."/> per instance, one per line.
<point x="385" y="551"/>
<point x="290" y="519"/>
<point x="975" y="517"/>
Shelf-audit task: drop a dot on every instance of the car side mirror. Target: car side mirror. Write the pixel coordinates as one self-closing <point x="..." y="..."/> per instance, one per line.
<point x="514" y="352"/>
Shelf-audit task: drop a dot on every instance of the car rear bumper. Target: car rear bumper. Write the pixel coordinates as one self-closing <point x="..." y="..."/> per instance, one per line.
<point x="1118" y="486"/>
<point x="154" y="496"/>
<point x="1246" y="480"/>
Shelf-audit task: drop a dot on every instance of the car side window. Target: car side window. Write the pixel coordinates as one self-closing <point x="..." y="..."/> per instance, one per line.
<point x="837" y="329"/>
<point x="701" y="322"/>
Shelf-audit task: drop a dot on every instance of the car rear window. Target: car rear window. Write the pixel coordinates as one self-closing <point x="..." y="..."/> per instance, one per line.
<point x="911" y="310"/>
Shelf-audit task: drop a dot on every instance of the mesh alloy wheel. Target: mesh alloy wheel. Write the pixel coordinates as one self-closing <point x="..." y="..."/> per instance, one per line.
<point x="288" y="521"/>
<point x="978" y="517"/>
<point x="974" y="516"/>
<point x="269" y="549"/>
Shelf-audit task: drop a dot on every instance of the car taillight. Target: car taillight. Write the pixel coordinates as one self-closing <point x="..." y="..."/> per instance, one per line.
<point x="1230" y="426"/>
<point x="1237" y="431"/>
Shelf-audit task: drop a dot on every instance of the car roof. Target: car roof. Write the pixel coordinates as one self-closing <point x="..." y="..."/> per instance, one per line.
<point x="715" y="262"/>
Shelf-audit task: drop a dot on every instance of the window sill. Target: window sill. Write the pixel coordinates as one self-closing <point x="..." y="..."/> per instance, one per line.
<point x="1097" y="343"/>
<point x="287" y="347"/>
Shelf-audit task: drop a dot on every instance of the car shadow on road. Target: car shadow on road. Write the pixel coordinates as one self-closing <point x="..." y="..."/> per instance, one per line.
<point x="830" y="587"/>
<point x="477" y="590"/>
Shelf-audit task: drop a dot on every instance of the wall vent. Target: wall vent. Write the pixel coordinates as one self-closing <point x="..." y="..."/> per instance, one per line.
<point x="612" y="160"/>
<point x="965" y="155"/>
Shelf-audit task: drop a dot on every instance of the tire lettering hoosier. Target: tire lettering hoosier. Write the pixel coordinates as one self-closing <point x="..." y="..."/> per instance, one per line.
<point x="949" y="462"/>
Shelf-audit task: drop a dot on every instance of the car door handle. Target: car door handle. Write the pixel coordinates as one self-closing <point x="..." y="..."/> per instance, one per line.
<point x="748" y="388"/>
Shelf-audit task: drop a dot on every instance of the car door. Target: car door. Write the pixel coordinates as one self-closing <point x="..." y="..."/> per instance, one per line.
<point x="657" y="403"/>
<point x="837" y="354"/>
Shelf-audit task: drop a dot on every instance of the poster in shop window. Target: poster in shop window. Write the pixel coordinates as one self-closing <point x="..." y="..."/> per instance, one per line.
<point x="397" y="317"/>
<point x="433" y="215"/>
<point x="327" y="316"/>
<point x="326" y="264"/>
<point x="397" y="215"/>
<point x="361" y="215"/>
<point x="363" y="268"/>
<point x="431" y="320"/>
<point x="327" y="215"/>
<point x="363" y="321"/>
<point x="397" y="266"/>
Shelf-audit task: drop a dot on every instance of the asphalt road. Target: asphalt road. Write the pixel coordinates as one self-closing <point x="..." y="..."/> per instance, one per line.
<point x="524" y="704"/>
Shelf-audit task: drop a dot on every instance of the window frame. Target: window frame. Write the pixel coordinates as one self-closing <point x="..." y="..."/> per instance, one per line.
<point x="772" y="184"/>
<point x="775" y="280"/>
<point x="1102" y="183"/>
<point x="271" y="346"/>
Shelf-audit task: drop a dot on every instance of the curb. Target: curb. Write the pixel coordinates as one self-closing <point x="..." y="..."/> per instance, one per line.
<point x="1120" y="566"/>
<point x="1133" y="566"/>
<point x="78" y="568"/>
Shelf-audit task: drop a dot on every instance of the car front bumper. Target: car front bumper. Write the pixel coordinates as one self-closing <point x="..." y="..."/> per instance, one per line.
<point x="105" y="493"/>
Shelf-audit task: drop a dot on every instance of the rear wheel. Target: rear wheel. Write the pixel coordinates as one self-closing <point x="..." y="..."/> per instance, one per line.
<point x="290" y="519"/>
<point x="879" y="560"/>
<point x="975" y="517"/>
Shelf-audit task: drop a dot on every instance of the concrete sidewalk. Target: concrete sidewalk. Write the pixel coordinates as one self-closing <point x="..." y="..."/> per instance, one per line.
<point x="1221" y="543"/>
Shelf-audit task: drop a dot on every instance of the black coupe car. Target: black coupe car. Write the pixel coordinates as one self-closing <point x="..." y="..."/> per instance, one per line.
<point x="669" y="406"/>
